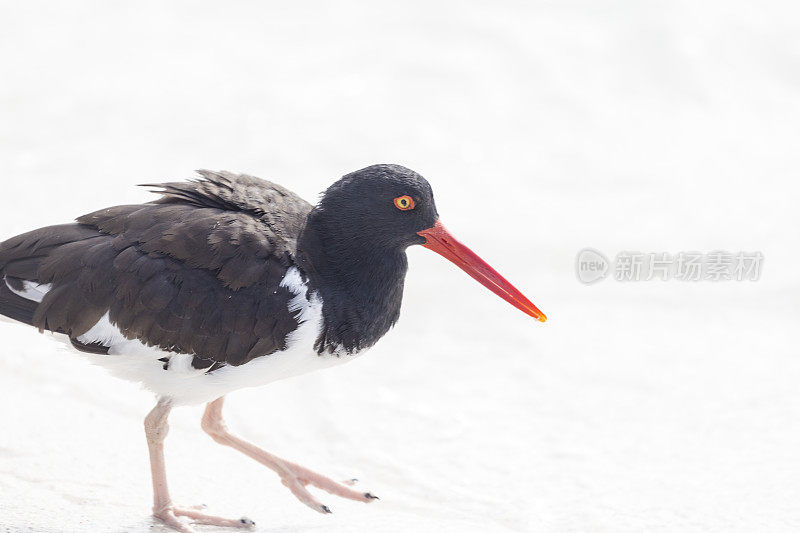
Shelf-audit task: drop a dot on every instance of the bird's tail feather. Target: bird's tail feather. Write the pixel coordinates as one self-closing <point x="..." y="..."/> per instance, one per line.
<point x="14" y="306"/>
<point x="20" y="260"/>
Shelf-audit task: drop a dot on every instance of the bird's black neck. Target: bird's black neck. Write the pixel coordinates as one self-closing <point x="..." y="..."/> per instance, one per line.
<point x="361" y="285"/>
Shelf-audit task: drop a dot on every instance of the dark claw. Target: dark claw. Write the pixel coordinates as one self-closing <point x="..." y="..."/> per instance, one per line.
<point x="326" y="509"/>
<point x="246" y="521"/>
<point x="369" y="496"/>
<point x="354" y="480"/>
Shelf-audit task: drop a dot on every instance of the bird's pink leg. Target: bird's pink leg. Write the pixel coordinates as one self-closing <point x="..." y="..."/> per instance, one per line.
<point x="156" y="429"/>
<point x="293" y="476"/>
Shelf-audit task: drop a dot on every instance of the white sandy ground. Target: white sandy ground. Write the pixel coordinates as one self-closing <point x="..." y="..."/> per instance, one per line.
<point x="544" y="127"/>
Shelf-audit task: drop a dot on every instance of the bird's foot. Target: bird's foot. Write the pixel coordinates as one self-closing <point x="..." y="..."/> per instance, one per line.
<point x="171" y="517"/>
<point x="296" y="479"/>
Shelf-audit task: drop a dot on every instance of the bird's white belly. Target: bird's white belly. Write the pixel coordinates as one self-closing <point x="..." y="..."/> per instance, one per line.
<point x="132" y="360"/>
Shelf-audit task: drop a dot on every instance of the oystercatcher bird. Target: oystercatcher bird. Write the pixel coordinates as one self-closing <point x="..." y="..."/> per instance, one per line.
<point x="230" y="281"/>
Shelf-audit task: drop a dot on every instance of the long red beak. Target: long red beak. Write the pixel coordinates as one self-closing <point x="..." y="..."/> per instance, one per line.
<point x="444" y="244"/>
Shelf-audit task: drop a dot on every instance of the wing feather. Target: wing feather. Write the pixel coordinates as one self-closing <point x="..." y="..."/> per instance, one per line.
<point x="197" y="271"/>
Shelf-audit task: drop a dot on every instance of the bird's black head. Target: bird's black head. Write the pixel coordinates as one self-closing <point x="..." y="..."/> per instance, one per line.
<point x="381" y="206"/>
<point x="353" y="250"/>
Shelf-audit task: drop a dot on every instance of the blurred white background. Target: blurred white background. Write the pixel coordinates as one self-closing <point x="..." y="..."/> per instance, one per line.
<point x="544" y="127"/>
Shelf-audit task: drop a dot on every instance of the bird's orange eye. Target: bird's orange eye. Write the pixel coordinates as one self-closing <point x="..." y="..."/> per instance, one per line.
<point x="404" y="203"/>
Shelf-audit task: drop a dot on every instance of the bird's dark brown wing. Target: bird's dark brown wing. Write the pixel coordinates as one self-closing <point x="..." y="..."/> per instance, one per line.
<point x="197" y="271"/>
